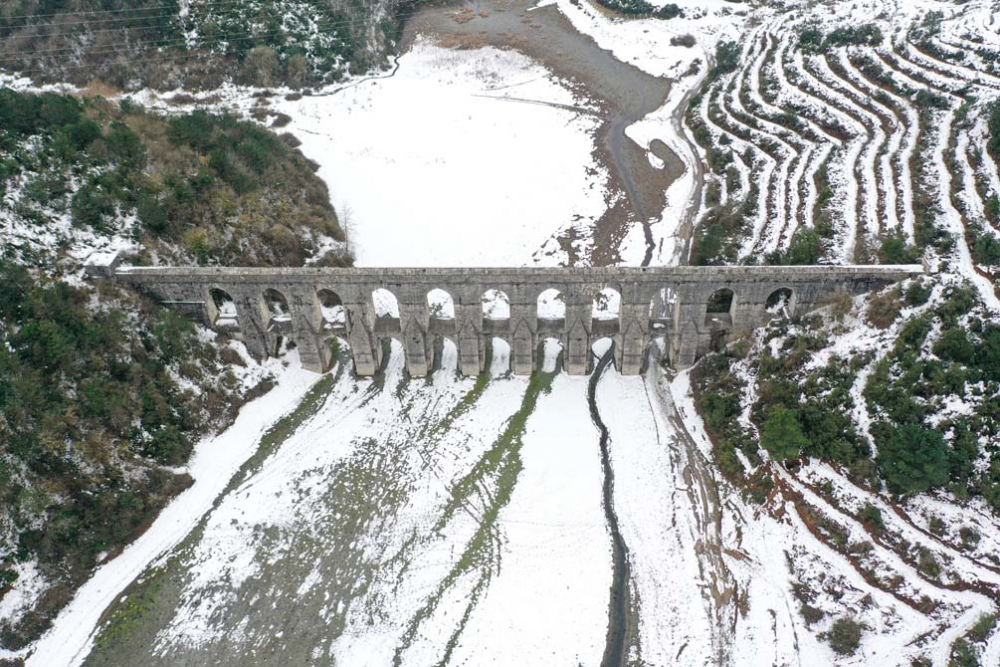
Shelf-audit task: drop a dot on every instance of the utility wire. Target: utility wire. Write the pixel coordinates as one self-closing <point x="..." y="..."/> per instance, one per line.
<point x="214" y="3"/>
<point x="145" y="60"/>
<point x="146" y="28"/>
<point x="324" y="28"/>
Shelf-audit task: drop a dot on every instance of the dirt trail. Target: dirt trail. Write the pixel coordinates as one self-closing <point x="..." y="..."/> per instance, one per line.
<point x="705" y="502"/>
<point x="621" y="93"/>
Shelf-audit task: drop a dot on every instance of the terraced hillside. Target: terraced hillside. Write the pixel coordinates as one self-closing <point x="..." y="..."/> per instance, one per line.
<point x="865" y="132"/>
<point x="868" y="141"/>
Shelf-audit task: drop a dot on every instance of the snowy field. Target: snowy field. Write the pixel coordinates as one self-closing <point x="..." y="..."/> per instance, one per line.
<point x="443" y="163"/>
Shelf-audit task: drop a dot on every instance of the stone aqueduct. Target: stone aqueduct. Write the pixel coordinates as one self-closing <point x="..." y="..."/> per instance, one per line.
<point x="687" y="306"/>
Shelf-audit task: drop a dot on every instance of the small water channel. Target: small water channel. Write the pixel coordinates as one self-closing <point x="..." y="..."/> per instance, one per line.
<point x="619" y="609"/>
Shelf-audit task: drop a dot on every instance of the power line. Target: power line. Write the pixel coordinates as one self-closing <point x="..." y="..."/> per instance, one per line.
<point x="323" y="28"/>
<point x="123" y="10"/>
<point x="147" y="60"/>
<point x="134" y="28"/>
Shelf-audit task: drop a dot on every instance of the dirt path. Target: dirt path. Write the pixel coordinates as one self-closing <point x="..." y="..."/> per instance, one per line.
<point x="703" y="496"/>
<point x="621" y="93"/>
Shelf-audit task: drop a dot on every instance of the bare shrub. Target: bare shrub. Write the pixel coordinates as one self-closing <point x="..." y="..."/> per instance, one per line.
<point x="883" y="309"/>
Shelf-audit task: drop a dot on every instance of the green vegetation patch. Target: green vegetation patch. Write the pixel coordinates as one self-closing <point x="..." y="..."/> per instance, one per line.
<point x="202" y="187"/>
<point x="643" y="8"/>
<point x="946" y="353"/>
<point x="91" y="406"/>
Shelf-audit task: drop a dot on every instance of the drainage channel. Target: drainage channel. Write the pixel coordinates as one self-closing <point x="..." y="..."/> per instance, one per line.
<point x="619" y="611"/>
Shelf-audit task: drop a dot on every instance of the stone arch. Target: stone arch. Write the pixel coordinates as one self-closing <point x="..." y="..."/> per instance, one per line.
<point x="276" y="308"/>
<point x="550" y="353"/>
<point x="720" y="307"/>
<point x="445" y="355"/>
<point x="332" y="314"/>
<point x="780" y="303"/>
<point x="605" y="312"/>
<point x="385" y="306"/>
<point x="440" y="304"/>
<point x="663" y="309"/>
<point x="223" y="311"/>
<point x="496" y="305"/>
<point x="607" y="304"/>
<point x="500" y="356"/>
<point x="551" y="305"/>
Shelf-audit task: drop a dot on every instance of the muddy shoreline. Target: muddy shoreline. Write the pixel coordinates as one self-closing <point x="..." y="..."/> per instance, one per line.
<point x="621" y="93"/>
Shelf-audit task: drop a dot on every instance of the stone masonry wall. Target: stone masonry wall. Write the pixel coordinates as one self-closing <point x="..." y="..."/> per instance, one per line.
<point x="671" y="302"/>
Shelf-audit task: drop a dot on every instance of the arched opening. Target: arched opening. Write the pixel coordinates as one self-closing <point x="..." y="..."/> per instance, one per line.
<point x="601" y="347"/>
<point x="386" y="308"/>
<point x="607" y="305"/>
<point x="392" y="361"/>
<point x="496" y="311"/>
<point x="331" y="309"/>
<point x="550" y="354"/>
<point x="445" y="367"/>
<point x="440" y="305"/>
<point x="496" y="305"/>
<point x="551" y="311"/>
<point x="225" y="309"/>
<point x="499" y="357"/>
<point x="279" y="315"/>
<point x="720" y="308"/>
<point x="781" y="303"/>
<point x="662" y="308"/>
<point x="605" y="312"/>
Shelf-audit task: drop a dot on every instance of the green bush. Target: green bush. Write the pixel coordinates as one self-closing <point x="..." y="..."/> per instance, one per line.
<point x="727" y="58"/>
<point x="910" y="457"/>
<point x="987" y="357"/>
<point x="871" y="517"/>
<point x="896" y="250"/>
<point x="983" y="628"/>
<point x="92" y="206"/>
<point x="845" y="636"/>
<point x="917" y="294"/>
<point x="954" y="345"/>
<point x="963" y="654"/>
<point x="782" y="434"/>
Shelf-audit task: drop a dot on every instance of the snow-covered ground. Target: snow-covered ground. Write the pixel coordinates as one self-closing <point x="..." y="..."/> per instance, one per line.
<point x="212" y="464"/>
<point x="414" y="523"/>
<point x="444" y="164"/>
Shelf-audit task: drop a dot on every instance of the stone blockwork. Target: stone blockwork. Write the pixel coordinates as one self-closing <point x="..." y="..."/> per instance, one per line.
<point x="691" y="308"/>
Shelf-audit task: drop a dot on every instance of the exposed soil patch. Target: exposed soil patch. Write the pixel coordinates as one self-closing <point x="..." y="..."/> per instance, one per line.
<point x="621" y="93"/>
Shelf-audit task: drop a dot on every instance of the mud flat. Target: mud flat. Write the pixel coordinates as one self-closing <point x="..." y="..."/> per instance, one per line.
<point x="618" y="93"/>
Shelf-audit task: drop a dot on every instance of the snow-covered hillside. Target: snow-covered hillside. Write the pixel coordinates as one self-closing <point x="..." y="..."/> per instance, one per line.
<point x="825" y="492"/>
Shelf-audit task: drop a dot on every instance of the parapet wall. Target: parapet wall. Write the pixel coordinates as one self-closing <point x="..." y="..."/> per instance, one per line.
<point x="668" y="302"/>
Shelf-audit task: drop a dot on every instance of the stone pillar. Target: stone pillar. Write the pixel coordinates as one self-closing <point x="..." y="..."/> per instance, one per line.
<point x="634" y="316"/>
<point x="360" y="340"/>
<point x="691" y="324"/>
<point x="306" y="339"/>
<point x="576" y="332"/>
<point x="468" y="348"/>
<point x="522" y="350"/>
<point x="415" y="343"/>
<point x="414" y="322"/>
<point x="577" y="349"/>
<point x="633" y="348"/>
<point x="253" y="329"/>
